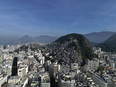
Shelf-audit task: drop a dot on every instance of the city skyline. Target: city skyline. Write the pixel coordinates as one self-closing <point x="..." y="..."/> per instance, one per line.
<point x="56" y="18"/>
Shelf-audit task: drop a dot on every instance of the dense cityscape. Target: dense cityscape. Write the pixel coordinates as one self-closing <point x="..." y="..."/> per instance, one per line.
<point x="36" y="65"/>
<point x="57" y="43"/>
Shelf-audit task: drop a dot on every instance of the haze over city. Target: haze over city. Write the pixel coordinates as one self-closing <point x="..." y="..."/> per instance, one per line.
<point x="57" y="43"/>
<point x="56" y="17"/>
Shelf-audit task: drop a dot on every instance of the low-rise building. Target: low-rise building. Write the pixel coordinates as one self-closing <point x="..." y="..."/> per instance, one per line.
<point x="74" y="66"/>
<point x="65" y="80"/>
<point x="22" y="70"/>
<point x="14" y="79"/>
<point x="3" y="79"/>
<point x="45" y="80"/>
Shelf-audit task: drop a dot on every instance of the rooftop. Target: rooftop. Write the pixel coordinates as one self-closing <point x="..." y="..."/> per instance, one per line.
<point x="14" y="77"/>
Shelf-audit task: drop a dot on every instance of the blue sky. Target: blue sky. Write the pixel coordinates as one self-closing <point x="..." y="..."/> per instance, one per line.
<point x="56" y="17"/>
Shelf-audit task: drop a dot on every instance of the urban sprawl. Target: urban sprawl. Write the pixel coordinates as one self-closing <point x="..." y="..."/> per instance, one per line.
<point x="29" y="68"/>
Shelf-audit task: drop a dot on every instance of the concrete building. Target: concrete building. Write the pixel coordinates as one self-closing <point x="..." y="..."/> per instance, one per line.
<point x="99" y="81"/>
<point x="34" y="84"/>
<point x="14" y="79"/>
<point x="96" y="50"/>
<point x="42" y="60"/>
<point x="65" y="80"/>
<point x="1" y="59"/>
<point x="91" y="83"/>
<point x="22" y="70"/>
<point x="91" y="65"/>
<point x="9" y="57"/>
<point x="45" y="80"/>
<point x="81" y="77"/>
<point x="3" y="79"/>
<point x="47" y="63"/>
<point x="1" y="47"/>
<point x="53" y="68"/>
<point x="24" y="81"/>
<point x="74" y="66"/>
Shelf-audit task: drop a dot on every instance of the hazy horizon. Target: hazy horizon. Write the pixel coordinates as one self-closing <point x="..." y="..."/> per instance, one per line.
<point x="33" y="36"/>
<point x="56" y="17"/>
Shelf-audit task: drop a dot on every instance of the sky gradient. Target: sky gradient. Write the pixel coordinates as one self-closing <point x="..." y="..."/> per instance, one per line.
<point x="56" y="17"/>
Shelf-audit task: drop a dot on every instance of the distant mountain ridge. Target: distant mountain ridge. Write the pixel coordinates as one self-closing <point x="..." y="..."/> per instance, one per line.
<point x="41" y="39"/>
<point x="94" y="38"/>
<point x="99" y="37"/>
<point x="109" y="45"/>
<point x="24" y="39"/>
<point x="93" y="44"/>
<point x="45" y="39"/>
<point x="112" y="39"/>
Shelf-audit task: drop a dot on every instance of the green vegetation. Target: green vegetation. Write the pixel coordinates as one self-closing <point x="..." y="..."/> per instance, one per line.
<point x="109" y="45"/>
<point x="93" y="44"/>
<point x="52" y="60"/>
<point x="60" y="61"/>
<point x="112" y="39"/>
<point x="83" y="45"/>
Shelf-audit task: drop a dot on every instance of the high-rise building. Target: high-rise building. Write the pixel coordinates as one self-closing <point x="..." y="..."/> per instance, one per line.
<point x="22" y="70"/>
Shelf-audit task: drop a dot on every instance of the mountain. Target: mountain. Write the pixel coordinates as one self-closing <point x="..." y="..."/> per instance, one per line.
<point x="79" y="43"/>
<point x="27" y="39"/>
<point x="45" y="39"/>
<point x="94" y="38"/>
<point x="24" y="39"/>
<point x="93" y="44"/>
<point x="99" y="37"/>
<point x="109" y="45"/>
<point x="112" y="39"/>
